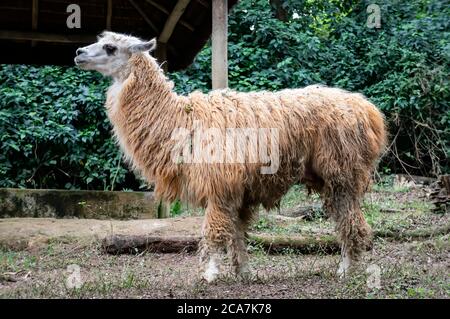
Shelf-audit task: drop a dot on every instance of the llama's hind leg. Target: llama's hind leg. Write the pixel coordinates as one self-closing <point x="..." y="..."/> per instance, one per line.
<point x="217" y="233"/>
<point x="237" y="249"/>
<point x="343" y="205"/>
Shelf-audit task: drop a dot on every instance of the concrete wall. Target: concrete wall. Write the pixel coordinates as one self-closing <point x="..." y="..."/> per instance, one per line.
<point x="81" y="204"/>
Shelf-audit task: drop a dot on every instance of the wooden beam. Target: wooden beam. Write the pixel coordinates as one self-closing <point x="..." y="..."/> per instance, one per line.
<point x="158" y="6"/>
<point x="172" y="20"/>
<point x="46" y="37"/>
<point x="164" y="10"/>
<point x="15" y="8"/>
<point x="219" y="44"/>
<point x="108" y="14"/>
<point x="144" y="16"/>
<point x="203" y="3"/>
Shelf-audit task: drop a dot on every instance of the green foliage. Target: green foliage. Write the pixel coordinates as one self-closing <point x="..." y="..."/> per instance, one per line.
<point x="175" y="208"/>
<point x="54" y="132"/>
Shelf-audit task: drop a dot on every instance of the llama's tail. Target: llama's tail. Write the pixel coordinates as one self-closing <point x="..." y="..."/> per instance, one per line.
<point x="377" y="133"/>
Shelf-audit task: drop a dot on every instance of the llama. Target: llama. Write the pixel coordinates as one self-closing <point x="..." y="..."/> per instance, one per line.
<point x="328" y="139"/>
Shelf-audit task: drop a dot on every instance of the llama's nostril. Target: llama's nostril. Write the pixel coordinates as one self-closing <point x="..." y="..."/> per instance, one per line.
<point x="80" y="51"/>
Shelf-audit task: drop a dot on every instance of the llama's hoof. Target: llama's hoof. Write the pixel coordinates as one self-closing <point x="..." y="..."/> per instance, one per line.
<point x="243" y="272"/>
<point x="342" y="272"/>
<point x="344" y="268"/>
<point x="210" y="276"/>
<point x="212" y="272"/>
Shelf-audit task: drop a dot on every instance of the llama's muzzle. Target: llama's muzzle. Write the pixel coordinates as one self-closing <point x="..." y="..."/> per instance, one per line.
<point x="80" y="52"/>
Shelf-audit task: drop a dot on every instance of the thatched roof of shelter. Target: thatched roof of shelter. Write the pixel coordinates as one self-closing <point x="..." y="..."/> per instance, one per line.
<point x="35" y="31"/>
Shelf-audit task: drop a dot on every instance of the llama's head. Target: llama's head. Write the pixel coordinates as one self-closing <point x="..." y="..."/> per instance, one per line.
<point x="110" y="54"/>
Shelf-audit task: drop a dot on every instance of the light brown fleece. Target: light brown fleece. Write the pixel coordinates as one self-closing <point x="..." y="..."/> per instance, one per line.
<point x="329" y="139"/>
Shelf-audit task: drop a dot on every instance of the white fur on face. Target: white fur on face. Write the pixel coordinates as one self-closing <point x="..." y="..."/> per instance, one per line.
<point x="95" y="57"/>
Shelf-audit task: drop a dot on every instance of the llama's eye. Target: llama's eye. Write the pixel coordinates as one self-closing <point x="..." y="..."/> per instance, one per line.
<point x="110" y="49"/>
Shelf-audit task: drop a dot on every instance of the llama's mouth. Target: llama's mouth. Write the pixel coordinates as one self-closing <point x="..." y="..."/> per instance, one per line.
<point x="79" y="61"/>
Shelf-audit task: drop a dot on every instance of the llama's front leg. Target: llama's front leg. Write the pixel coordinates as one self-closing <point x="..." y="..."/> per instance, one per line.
<point x="209" y="260"/>
<point x="217" y="232"/>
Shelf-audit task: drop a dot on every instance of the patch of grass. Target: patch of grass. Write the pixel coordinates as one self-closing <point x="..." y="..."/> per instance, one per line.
<point x="417" y="205"/>
<point x="129" y="279"/>
<point x="264" y="223"/>
<point x="179" y="209"/>
<point x="387" y="185"/>
<point x="268" y="223"/>
<point x="298" y="195"/>
<point x="372" y="212"/>
<point x="294" y="228"/>
<point x="293" y="196"/>
<point x="420" y="293"/>
<point x="381" y="188"/>
<point x="11" y="261"/>
<point x="256" y="249"/>
<point x="7" y="260"/>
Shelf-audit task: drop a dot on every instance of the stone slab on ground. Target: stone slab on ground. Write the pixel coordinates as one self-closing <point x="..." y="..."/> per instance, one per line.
<point x="76" y="203"/>
<point x="22" y="233"/>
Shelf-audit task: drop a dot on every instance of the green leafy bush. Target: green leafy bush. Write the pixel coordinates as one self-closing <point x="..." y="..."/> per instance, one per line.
<point x="54" y="132"/>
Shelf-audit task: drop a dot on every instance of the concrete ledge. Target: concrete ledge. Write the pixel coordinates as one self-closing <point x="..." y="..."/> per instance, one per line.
<point x="81" y="204"/>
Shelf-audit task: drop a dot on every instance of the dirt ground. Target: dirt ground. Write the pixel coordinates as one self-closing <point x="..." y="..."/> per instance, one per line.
<point x="37" y="257"/>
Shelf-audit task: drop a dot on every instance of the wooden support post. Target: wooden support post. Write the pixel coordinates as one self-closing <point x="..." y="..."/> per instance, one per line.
<point x="163" y="209"/>
<point x="109" y="6"/>
<point x="219" y="44"/>
<point x="34" y="18"/>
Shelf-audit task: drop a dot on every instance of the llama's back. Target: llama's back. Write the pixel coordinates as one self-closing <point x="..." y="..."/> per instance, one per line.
<point x="304" y="112"/>
<point x="349" y="137"/>
<point x="324" y="132"/>
<point x="348" y="119"/>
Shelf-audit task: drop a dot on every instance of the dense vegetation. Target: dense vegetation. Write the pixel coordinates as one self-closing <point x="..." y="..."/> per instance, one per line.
<point x="54" y="132"/>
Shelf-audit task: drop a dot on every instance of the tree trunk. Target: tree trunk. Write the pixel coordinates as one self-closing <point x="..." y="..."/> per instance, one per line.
<point x="125" y="244"/>
<point x="440" y="195"/>
<point x="280" y="12"/>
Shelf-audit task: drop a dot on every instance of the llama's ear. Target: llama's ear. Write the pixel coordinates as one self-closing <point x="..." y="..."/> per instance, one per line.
<point x="143" y="46"/>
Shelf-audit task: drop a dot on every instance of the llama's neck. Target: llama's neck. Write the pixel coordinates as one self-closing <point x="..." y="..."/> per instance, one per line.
<point x="143" y="79"/>
<point x="144" y="112"/>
